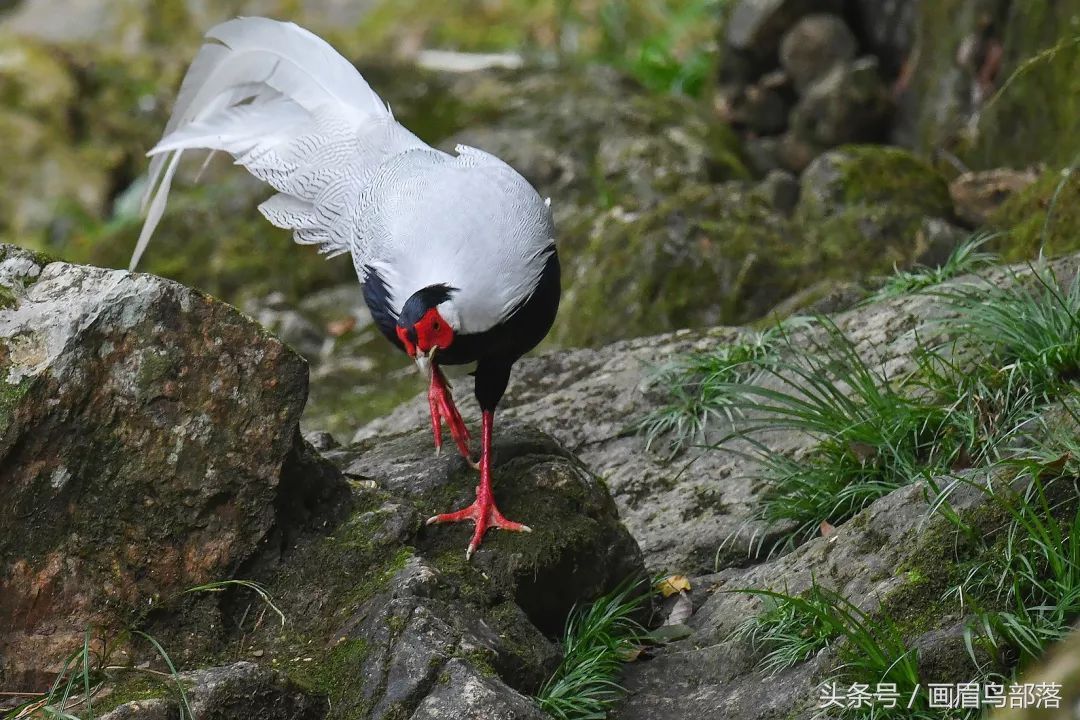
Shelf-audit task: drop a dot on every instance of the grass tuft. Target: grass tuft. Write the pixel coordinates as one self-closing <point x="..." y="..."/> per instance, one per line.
<point x="598" y="640"/>
<point x="967" y="257"/>
<point x="871" y="649"/>
<point x="699" y="390"/>
<point x="871" y="436"/>
<point x="1031" y="327"/>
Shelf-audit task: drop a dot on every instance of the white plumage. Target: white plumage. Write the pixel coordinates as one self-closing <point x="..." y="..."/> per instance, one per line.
<point x="350" y="178"/>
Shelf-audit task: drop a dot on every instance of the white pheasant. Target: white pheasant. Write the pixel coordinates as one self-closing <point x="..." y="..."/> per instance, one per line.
<point x="455" y="253"/>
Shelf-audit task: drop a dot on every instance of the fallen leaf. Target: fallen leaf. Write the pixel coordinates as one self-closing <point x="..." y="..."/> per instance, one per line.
<point x="630" y="654"/>
<point x="684" y="608"/>
<point x="673" y="584"/>
<point x="826" y="528"/>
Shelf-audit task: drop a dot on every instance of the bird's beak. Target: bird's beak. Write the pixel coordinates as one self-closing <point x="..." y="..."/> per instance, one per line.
<point x="423" y="361"/>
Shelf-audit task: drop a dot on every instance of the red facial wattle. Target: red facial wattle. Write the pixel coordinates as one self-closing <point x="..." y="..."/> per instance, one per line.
<point x="430" y="331"/>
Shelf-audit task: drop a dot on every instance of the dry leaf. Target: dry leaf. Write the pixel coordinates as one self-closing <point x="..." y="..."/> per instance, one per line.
<point x="684" y="608"/>
<point x="673" y="584"/>
<point x="826" y="528"/>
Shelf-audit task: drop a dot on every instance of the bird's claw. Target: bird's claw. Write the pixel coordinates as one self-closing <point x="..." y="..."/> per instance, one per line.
<point x="486" y="516"/>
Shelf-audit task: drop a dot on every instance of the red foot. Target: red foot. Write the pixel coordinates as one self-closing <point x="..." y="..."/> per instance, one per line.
<point x="482" y="512"/>
<point x="441" y="403"/>
<point x="485" y="515"/>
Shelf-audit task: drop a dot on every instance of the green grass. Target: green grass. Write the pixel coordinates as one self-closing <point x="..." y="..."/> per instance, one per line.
<point x="597" y="642"/>
<point x="1032" y="326"/>
<point x="89" y="672"/>
<point x="698" y="390"/>
<point x="871" y="437"/>
<point x="966" y="258"/>
<point x="666" y="46"/>
<point x="870" y="649"/>
<point x="1025" y="588"/>
<point x="791" y="630"/>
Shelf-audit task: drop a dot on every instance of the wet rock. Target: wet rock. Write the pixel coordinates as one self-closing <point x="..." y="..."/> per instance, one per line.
<point x="145" y="434"/>
<point x="849" y="104"/>
<point x="756" y="26"/>
<point x="230" y="692"/>
<point x="977" y="195"/>
<point x="813" y="46"/>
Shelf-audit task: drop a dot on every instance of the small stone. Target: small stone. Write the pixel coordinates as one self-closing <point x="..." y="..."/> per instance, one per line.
<point x="814" y="46"/>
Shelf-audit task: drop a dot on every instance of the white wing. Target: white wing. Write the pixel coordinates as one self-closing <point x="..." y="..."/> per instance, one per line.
<point x="298" y="116"/>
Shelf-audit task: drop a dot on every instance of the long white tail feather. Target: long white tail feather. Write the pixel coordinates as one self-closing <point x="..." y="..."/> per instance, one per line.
<point x="296" y="115"/>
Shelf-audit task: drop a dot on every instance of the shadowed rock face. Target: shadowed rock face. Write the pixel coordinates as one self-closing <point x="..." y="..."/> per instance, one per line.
<point x="143" y="429"/>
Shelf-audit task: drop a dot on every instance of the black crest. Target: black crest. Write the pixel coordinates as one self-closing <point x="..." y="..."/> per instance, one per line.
<point x="421" y="301"/>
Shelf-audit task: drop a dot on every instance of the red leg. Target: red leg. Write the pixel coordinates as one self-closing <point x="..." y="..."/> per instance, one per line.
<point x="441" y="403"/>
<point x="482" y="512"/>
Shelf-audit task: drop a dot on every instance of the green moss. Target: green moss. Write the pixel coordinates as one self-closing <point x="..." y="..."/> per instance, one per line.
<point x="132" y="686"/>
<point x="11" y="394"/>
<point x="480" y="660"/>
<point x="1045" y="216"/>
<point x="8" y="298"/>
<point x="703" y="255"/>
<point x="872" y="175"/>
<point x="334" y="673"/>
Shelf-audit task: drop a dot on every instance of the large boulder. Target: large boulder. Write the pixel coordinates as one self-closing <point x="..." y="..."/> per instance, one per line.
<point x="145" y="431"/>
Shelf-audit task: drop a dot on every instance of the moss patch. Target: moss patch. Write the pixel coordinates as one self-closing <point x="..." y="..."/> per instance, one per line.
<point x="1045" y="216"/>
<point x="867" y="175"/>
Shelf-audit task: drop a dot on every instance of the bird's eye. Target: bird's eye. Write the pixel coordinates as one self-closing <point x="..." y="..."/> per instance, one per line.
<point x="435" y="325"/>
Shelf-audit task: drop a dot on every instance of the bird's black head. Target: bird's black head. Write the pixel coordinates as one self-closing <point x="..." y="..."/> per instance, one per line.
<point x="420" y="326"/>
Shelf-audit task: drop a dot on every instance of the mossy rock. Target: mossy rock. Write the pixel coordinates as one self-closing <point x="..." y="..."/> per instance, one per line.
<point x="861" y="175"/>
<point x="381" y="606"/>
<point x="707" y="255"/>
<point x="1045" y="218"/>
